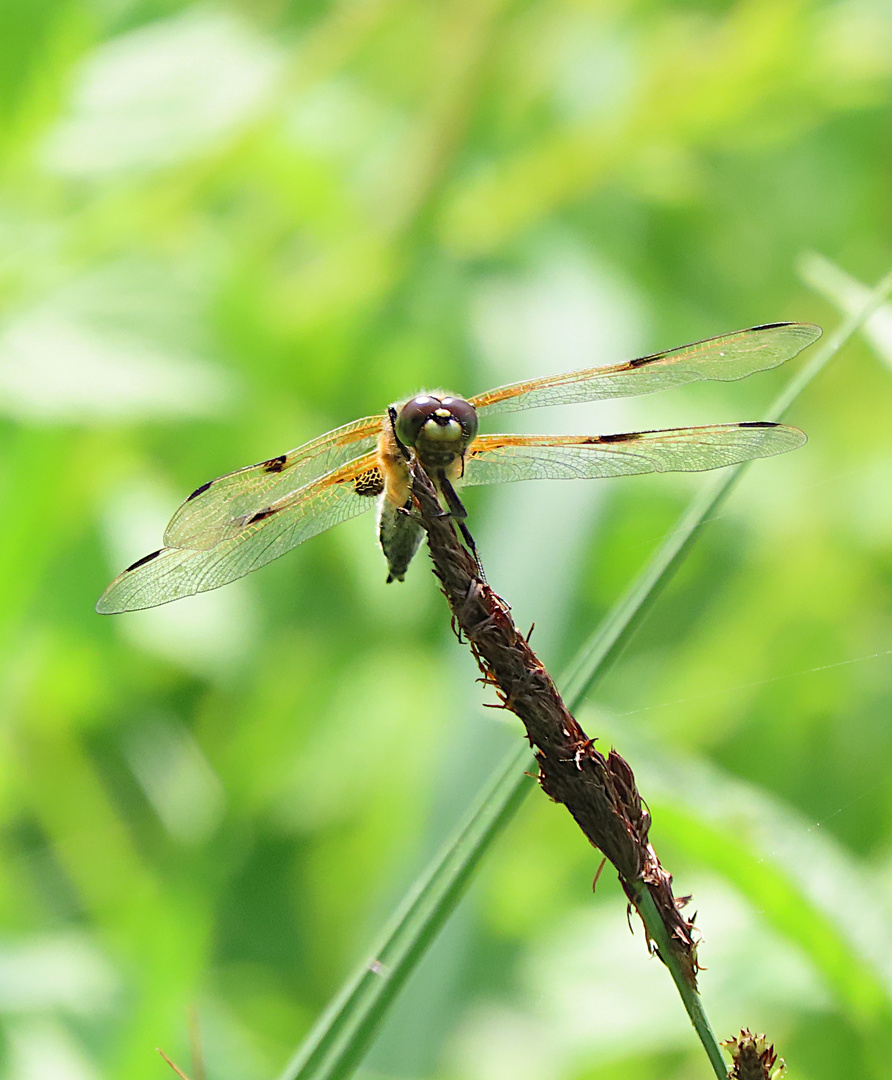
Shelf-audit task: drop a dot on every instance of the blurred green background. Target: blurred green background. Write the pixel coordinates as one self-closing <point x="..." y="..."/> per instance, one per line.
<point x="225" y="229"/>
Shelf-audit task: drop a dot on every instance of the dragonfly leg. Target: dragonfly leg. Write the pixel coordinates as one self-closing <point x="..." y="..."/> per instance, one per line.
<point x="472" y="547"/>
<point x="459" y="514"/>
<point x="453" y="502"/>
<point x="391" y="416"/>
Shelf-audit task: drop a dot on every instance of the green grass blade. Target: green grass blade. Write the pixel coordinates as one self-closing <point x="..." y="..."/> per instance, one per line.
<point x="340" y="1037"/>
<point x="848" y="294"/>
<point x="602" y="647"/>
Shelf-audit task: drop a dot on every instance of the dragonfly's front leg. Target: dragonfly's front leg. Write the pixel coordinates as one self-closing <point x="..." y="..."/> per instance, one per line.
<point x="458" y="513"/>
<point x="453" y="502"/>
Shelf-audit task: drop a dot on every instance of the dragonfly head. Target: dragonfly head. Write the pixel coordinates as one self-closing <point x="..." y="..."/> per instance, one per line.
<point x="437" y="428"/>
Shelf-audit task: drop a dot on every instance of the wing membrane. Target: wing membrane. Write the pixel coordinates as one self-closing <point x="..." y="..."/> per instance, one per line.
<point x="264" y="535"/>
<point x="496" y="459"/>
<point x="212" y="513"/>
<point x="726" y="358"/>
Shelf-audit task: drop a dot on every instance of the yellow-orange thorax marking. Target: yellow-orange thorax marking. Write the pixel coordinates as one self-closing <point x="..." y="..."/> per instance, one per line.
<point x="393" y="465"/>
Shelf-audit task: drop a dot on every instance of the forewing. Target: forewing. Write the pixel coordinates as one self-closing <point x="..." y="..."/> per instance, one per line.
<point x="264" y="535"/>
<point x="726" y="358"/>
<point x="496" y="459"/>
<point x="212" y="512"/>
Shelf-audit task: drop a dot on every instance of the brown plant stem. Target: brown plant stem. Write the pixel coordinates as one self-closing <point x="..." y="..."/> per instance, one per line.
<point x="599" y="790"/>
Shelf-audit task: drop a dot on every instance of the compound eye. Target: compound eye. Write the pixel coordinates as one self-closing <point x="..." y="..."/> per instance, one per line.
<point x="413" y="416"/>
<point x="465" y="413"/>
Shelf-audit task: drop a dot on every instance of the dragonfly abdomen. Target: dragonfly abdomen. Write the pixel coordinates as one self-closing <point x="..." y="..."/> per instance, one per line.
<point x="399" y="535"/>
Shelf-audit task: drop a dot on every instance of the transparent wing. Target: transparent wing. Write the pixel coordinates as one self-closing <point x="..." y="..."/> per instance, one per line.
<point x="264" y="535"/>
<point x="732" y="356"/>
<point x="497" y="459"/>
<point x="205" y="518"/>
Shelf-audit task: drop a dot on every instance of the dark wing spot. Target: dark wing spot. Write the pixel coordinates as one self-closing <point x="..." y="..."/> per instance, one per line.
<point x="769" y="326"/>
<point x="199" y="490"/>
<point x="369" y="483"/>
<point x="642" y="360"/>
<point x="756" y="423"/>
<point x="624" y="436"/>
<point x="260" y="515"/>
<point x="144" y="560"/>
<point x="275" y="464"/>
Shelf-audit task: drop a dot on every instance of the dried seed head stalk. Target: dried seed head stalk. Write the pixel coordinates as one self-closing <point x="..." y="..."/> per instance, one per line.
<point x="599" y="791"/>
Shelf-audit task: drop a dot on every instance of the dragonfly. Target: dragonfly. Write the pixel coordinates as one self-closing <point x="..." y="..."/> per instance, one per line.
<point x="241" y="521"/>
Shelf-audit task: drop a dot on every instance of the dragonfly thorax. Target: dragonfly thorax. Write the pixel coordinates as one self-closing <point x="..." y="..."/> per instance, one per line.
<point x="437" y="428"/>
